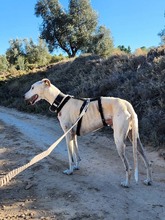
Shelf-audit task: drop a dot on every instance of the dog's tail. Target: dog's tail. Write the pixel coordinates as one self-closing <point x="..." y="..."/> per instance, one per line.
<point x="135" y="136"/>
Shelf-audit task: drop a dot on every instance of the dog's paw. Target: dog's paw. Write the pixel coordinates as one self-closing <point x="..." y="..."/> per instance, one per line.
<point x="124" y="184"/>
<point x="76" y="167"/>
<point x="68" y="172"/>
<point x="147" y="182"/>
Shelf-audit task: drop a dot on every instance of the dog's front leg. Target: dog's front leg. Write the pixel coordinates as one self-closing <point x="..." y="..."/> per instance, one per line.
<point x="70" y="146"/>
<point x="76" y="152"/>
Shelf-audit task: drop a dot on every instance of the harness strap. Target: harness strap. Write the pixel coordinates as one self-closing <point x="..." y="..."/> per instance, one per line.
<point x="61" y="100"/>
<point x="101" y="111"/>
<point x="86" y="101"/>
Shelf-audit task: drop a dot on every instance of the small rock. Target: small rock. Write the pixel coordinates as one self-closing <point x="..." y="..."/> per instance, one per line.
<point x="3" y="207"/>
<point x="22" y="205"/>
<point x="28" y="186"/>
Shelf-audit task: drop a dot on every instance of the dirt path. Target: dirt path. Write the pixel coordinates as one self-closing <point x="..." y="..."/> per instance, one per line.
<point x="92" y="193"/>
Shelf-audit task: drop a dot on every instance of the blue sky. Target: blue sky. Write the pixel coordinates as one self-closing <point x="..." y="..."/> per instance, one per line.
<point x="132" y="23"/>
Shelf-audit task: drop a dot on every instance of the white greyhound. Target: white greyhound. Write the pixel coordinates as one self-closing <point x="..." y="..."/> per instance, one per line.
<point x="110" y="111"/>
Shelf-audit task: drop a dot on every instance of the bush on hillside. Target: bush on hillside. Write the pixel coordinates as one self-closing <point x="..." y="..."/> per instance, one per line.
<point x="57" y="58"/>
<point x="4" y="64"/>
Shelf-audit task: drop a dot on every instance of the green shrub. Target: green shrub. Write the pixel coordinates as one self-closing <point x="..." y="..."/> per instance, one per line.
<point x="4" y="64"/>
<point x="57" y="58"/>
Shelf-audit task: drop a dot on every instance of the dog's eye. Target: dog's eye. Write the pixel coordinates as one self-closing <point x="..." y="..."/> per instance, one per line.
<point x="32" y="87"/>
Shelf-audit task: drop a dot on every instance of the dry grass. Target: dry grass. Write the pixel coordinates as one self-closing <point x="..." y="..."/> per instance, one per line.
<point x="138" y="79"/>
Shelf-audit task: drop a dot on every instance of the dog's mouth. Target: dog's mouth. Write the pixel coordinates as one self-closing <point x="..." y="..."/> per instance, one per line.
<point x="32" y="100"/>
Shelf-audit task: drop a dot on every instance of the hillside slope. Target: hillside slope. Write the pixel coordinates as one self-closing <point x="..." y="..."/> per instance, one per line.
<point x="138" y="79"/>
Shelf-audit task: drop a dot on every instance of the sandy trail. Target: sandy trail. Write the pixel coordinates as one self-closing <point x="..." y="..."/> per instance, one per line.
<point x="92" y="193"/>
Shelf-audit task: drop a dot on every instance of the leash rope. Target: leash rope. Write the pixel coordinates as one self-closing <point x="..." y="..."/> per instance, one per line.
<point x="4" y="180"/>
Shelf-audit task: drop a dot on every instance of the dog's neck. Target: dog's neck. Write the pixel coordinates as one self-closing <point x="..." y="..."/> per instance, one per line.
<point x="51" y="93"/>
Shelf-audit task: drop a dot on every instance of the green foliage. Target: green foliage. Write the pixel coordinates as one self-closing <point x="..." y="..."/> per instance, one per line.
<point x="83" y="22"/>
<point x="123" y="48"/>
<point x="161" y="34"/>
<point x="100" y="43"/>
<point x="57" y="58"/>
<point x="15" y="50"/>
<point x="36" y="54"/>
<point x="4" y="64"/>
<point x="21" y="63"/>
<point x="71" y="30"/>
<point x="24" y="53"/>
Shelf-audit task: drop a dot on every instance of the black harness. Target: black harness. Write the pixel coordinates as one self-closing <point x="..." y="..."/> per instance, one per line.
<point x="100" y="110"/>
<point x="80" y="121"/>
<point x="62" y="99"/>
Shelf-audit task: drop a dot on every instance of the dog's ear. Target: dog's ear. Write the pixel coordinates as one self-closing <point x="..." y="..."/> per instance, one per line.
<point x="46" y="82"/>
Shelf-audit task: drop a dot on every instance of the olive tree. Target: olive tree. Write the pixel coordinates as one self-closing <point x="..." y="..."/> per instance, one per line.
<point x="72" y="29"/>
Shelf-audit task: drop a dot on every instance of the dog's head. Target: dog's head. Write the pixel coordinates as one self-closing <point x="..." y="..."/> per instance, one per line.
<point x="36" y="92"/>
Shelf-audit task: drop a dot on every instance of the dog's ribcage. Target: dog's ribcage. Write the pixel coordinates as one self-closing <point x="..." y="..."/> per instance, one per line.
<point x="91" y="121"/>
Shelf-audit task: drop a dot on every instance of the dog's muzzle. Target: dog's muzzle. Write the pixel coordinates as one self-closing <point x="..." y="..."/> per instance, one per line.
<point x="32" y="100"/>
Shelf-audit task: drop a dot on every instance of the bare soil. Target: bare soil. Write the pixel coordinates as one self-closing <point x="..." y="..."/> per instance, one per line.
<point x="91" y="193"/>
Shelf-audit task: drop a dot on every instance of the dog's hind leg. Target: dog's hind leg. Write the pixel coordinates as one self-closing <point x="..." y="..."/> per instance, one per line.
<point x="120" y="131"/>
<point x="121" y="151"/>
<point x="141" y="151"/>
